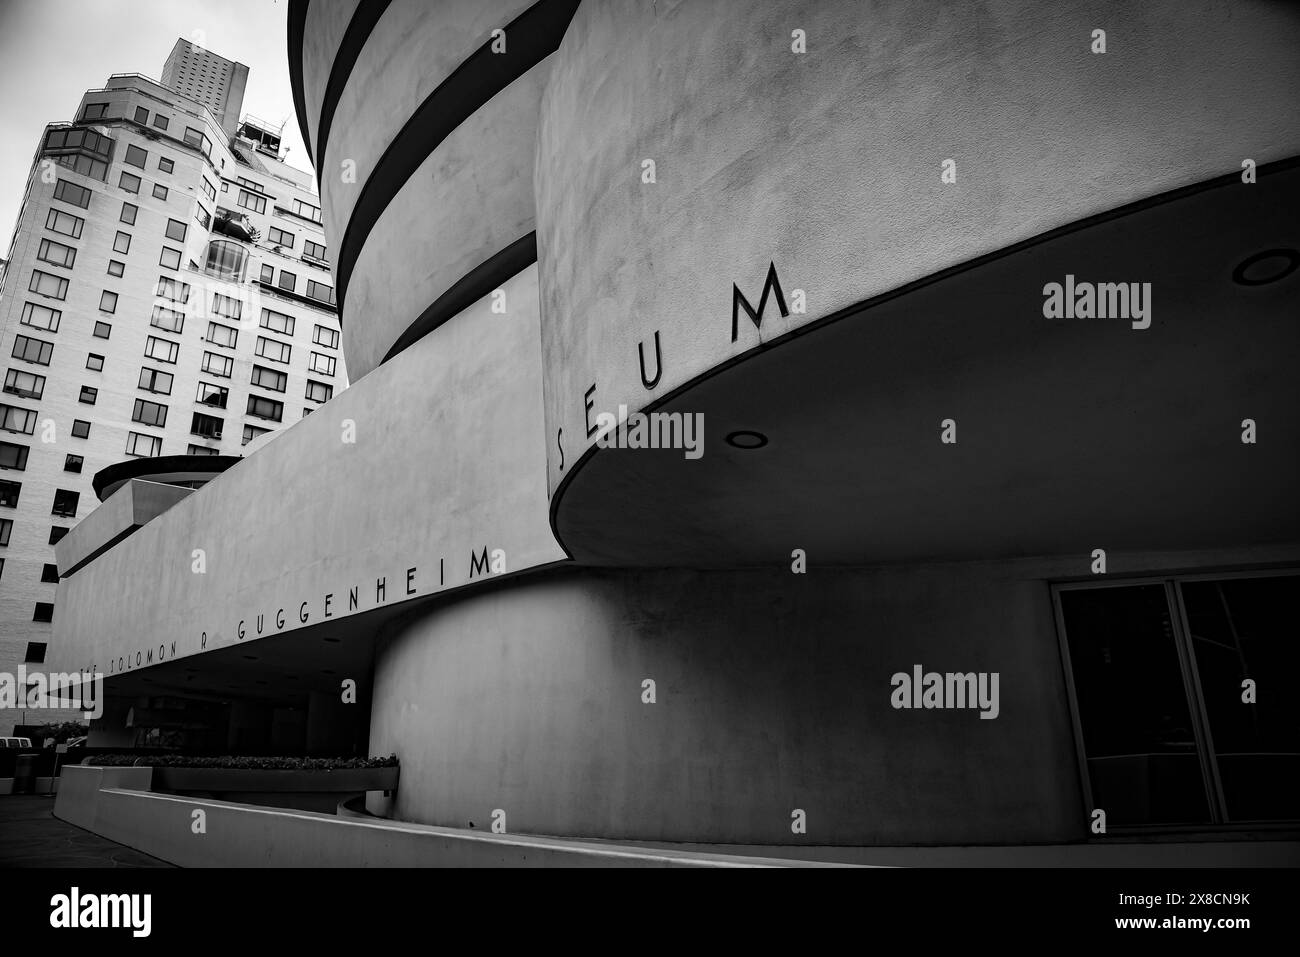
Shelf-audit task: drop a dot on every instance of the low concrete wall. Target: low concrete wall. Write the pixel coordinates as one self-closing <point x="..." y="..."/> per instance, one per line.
<point x="114" y="805"/>
<point x="78" y="800"/>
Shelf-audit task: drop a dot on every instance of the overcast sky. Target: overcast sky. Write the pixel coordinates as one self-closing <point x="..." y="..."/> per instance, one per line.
<point x="52" y="51"/>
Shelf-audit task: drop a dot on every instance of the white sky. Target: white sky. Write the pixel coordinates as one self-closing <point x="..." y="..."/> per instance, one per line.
<point x="52" y="51"/>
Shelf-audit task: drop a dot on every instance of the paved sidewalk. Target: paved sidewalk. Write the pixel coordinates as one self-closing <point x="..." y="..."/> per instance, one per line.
<point x="31" y="836"/>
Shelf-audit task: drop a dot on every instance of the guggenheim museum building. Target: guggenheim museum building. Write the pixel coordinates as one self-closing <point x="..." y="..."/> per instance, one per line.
<point x="800" y="424"/>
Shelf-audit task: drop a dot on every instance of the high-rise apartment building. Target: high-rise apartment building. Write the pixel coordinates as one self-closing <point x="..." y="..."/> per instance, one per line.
<point x="212" y="80"/>
<point x="168" y="292"/>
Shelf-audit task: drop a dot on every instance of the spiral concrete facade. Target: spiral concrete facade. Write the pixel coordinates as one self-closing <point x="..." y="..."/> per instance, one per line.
<point x="701" y="650"/>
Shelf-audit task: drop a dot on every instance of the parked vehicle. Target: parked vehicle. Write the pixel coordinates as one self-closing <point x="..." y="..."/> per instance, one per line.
<point x="16" y="743"/>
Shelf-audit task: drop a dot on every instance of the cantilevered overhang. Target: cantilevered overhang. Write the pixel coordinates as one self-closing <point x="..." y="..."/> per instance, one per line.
<point x="132" y="503"/>
<point x="1070" y="433"/>
<point x="187" y="470"/>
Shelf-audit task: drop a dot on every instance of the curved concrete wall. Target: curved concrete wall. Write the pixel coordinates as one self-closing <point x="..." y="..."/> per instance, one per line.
<point x="471" y="198"/>
<point x="828" y="163"/>
<point x="313" y="513"/>
<point x="421" y="42"/>
<point x="528" y="698"/>
<point x="326" y="23"/>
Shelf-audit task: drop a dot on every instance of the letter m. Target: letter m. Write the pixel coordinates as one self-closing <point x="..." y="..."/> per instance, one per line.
<point x="738" y="302"/>
<point x="475" y="566"/>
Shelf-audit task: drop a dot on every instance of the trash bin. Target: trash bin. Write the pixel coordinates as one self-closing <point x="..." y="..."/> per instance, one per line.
<point x="25" y="774"/>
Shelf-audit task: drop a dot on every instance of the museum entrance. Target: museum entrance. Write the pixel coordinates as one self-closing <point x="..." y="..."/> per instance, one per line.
<point x="1182" y="701"/>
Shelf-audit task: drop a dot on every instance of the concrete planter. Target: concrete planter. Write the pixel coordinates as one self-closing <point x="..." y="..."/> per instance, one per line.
<point x="261" y="781"/>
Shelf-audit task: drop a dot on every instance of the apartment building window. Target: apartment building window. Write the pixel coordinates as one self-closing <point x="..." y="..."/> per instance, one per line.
<point x="142" y="115"/>
<point x="277" y="322"/>
<point x="145" y="446"/>
<point x="56" y="534"/>
<point x="265" y="408"/>
<point x="13" y="456"/>
<point x="94" y="111"/>
<point x="280" y="237"/>
<point x="7" y="526"/>
<point x="167" y="319"/>
<point x="9" y="492"/>
<point x="227" y="306"/>
<point x="196" y="139"/>
<point x="320" y="291"/>
<point x="253" y="431"/>
<point x="128" y="213"/>
<point x="220" y="335"/>
<point x="321" y="363"/>
<point x="73" y="463"/>
<point x="314" y="250"/>
<point x="287" y="280"/>
<point x="64" y="224"/>
<point x="159" y="191"/>
<point x="28" y="385"/>
<point x="65" y="503"/>
<point x="273" y="350"/>
<point x="202" y="217"/>
<point x="225" y="260"/>
<point x="251" y="201"/>
<point x="56" y="254"/>
<point x="269" y="379"/>
<point x="306" y="210"/>
<point x="268" y="274"/>
<point x="207" y="426"/>
<point x="149" y="413"/>
<point x="44" y="611"/>
<point x="166" y="165"/>
<point x="88" y="395"/>
<point x="319" y="391"/>
<point x="116" y="268"/>
<point x="155" y="380"/>
<point x="95" y="362"/>
<point x="41" y="317"/>
<point x="136" y="157"/>
<point x="200" y="450"/>
<point x="16" y="419"/>
<point x="164" y="350"/>
<point x="122" y="243"/>
<point x="176" y="230"/>
<point x="80" y="429"/>
<point x="324" y="336"/>
<point x="172" y="290"/>
<point x="129" y="182"/>
<point x="50" y="574"/>
<point x="209" y="190"/>
<point x="48" y="284"/>
<point x="72" y="194"/>
<point x="108" y="302"/>
<point x="36" y="649"/>
<point x="218" y="365"/>
<point x="160" y="121"/>
<point x="212" y="395"/>
<point x="32" y="350"/>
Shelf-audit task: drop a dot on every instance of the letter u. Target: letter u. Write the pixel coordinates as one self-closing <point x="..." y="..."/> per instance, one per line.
<point x="659" y="363"/>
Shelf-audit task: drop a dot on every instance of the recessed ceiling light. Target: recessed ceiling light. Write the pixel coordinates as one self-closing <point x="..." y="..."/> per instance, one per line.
<point x="1266" y="267"/>
<point x="747" y="439"/>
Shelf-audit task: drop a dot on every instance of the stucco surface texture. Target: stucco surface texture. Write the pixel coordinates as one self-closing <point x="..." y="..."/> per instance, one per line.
<point x="828" y="163"/>
<point x="469" y="199"/>
<point x="312" y="514"/>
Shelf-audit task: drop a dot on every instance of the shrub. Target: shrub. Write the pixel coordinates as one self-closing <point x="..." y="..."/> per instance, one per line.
<point x="231" y="762"/>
